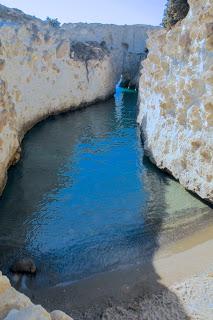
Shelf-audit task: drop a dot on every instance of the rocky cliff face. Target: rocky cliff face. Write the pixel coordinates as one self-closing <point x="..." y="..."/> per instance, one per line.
<point x="176" y="106"/>
<point x="127" y="44"/>
<point x="42" y="73"/>
<point x="16" y="306"/>
<point x="45" y="70"/>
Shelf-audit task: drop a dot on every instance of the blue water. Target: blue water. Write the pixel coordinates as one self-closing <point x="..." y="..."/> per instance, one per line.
<point x="83" y="199"/>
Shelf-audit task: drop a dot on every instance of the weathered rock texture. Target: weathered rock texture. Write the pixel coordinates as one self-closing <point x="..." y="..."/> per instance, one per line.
<point x="176" y="104"/>
<point x="16" y="306"/>
<point x="45" y="70"/>
<point x="127" y="44"/>
<point x="41" y="74"/>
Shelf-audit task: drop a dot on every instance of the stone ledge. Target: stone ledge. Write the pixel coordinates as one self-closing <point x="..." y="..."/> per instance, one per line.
<point x="16" y="306"/>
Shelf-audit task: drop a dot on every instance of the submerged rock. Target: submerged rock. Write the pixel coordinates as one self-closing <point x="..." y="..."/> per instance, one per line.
<point x="25" y="265"/>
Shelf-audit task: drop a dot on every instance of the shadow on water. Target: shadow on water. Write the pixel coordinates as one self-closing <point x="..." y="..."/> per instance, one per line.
<point x="93" y="211"/>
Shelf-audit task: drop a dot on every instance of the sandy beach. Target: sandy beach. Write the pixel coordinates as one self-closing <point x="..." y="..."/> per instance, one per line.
<point x="186" y="257"/>
<point x="179" y="284"/>
<point x="188" y="272"/>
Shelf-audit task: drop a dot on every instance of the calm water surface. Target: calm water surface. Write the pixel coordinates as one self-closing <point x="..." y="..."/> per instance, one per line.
<point x="84" y="199"/>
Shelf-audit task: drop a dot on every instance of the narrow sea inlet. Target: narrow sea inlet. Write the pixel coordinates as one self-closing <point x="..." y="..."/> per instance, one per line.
<point x="84" y="200"/>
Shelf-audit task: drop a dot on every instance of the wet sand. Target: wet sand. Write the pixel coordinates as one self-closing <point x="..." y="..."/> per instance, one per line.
<point x="135" y="221"/>
<point x="189" y="256"/>
<point x="113" y="295"/>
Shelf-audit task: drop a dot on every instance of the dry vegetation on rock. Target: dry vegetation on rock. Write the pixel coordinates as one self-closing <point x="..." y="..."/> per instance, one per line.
<point x="176" y="10"/>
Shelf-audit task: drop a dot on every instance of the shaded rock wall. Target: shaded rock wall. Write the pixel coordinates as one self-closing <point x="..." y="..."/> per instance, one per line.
<point x="176" y="106"/>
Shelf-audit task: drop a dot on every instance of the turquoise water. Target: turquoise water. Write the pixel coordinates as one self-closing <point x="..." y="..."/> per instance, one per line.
<point x="83" y="199"/>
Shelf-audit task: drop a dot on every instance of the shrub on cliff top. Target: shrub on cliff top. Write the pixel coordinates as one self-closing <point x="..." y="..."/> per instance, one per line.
<point x="53" y="22"/>
<point x="175" y="11"/>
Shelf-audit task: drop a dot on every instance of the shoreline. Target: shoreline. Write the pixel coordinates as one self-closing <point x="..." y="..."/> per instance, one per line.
<point x="178" y="285"/>
<point x="173" y="270"/>
<point x="188" y="257"/>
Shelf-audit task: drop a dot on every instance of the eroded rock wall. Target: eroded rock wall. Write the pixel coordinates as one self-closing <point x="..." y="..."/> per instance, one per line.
<point x="45" y="70"/>
<point x="127" y="44"/>
<point x="176" y="99"/>
<point x="41" y="74"/>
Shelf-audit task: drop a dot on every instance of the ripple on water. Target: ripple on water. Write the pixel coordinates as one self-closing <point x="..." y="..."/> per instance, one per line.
<point x="84" y="199"/>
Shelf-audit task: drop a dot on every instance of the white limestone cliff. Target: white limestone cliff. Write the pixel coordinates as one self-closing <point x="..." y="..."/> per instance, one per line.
<point x="176" y="99"/>
<point x="127" y="43"/>
<point x="46" y="70"/>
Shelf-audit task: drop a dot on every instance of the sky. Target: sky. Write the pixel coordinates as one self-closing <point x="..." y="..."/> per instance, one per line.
<point x="104" y="11"/>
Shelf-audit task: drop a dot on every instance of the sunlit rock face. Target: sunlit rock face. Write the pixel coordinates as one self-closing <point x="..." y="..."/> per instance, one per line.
<point x="45" y="70"/>
<point x="42" y="73"/>
<point x="16" y="306"/>
<point x="126" y="43"/>
<point x="176" y="99"/>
